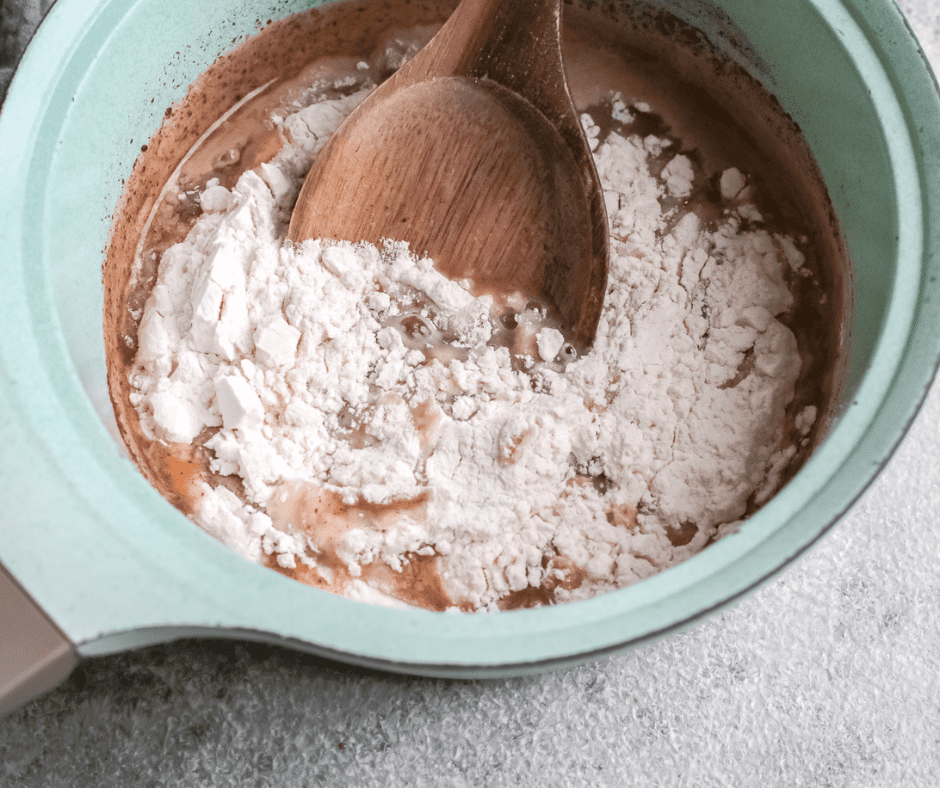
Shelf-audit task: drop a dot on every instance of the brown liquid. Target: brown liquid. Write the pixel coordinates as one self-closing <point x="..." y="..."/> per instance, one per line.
<point x="718" y="115"/>
<point x="325" y="518"/>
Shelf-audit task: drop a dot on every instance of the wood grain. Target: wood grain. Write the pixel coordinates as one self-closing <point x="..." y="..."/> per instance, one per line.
<point x="474" y="154"/>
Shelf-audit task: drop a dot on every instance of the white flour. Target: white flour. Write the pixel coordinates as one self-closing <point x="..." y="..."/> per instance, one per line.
<point x="579" y="475"/>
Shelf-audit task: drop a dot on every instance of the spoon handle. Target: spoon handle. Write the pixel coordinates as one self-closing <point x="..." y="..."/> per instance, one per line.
<point x="516" y="44"/>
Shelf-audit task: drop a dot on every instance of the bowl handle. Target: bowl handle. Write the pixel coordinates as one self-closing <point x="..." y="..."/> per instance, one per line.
<point x="34" y="654"/>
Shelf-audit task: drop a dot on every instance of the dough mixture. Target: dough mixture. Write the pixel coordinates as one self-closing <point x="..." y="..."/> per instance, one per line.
<point x="352" y="418"/>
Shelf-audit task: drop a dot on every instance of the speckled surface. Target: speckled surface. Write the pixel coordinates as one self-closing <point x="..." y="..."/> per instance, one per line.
<point x="826" y="677"/>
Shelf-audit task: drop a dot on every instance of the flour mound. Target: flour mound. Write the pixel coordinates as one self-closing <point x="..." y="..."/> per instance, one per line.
<point x="361" y="375"/>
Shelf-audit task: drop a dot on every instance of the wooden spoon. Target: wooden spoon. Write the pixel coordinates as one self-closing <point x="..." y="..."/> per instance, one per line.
<point x="473" y="153"/>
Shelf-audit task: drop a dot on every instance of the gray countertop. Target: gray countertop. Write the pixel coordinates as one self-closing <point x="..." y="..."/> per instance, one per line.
<point x="827" y="676"/>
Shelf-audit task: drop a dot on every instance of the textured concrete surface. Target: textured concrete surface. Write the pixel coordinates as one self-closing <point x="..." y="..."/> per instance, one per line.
<point x="18" y="20"/>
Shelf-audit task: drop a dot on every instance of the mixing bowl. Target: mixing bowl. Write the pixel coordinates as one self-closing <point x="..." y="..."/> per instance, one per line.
<point x="113" y="566"/>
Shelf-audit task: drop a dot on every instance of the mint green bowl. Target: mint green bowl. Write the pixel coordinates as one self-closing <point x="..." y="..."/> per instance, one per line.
<point x="115" y="566"/>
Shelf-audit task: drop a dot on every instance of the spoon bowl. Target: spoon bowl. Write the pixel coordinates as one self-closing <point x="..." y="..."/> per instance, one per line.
<point x="473" y="153"/>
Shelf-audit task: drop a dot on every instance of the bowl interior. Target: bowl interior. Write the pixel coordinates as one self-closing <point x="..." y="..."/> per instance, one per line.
<point x="88" y="95"/>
